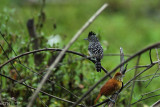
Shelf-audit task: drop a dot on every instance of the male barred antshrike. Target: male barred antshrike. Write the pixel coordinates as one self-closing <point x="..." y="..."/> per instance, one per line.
<point x="95" y="49"/>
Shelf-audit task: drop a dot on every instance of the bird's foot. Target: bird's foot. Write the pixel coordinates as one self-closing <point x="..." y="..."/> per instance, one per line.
<point x="116" y="93"/>
<point x="112" y="100"/>
<point x="92" y="58"/>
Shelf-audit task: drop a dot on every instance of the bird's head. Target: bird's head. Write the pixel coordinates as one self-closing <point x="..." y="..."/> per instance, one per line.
<point x="118" y="76"/>
<point x="92" y="37"/>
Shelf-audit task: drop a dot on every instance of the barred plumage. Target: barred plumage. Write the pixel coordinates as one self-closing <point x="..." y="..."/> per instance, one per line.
<point x="95" y="49"/>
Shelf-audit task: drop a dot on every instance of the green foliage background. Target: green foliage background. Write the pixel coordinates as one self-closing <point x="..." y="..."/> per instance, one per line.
<point x="131" y="24"/>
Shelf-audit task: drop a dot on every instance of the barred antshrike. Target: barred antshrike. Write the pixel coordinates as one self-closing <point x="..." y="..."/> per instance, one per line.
<point x="95" y="49"/>
<point x="111" y="86"/>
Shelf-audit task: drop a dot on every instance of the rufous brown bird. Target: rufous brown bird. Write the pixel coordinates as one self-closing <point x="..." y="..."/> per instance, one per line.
<point x="111" y="86"/>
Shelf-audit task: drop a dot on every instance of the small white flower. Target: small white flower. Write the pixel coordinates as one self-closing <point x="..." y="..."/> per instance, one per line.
<point x="54" y="39"/>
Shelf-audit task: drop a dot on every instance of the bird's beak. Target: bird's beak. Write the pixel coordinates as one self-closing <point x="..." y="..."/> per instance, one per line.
<point x="86" y="39"/>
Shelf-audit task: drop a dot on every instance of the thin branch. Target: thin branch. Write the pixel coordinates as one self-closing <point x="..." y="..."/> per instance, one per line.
<point x="146" y="79"/>
<point x="139" y="74"/>
<point x="105" y="77"/>
<point x="148" y="75"/>
<point x="9" y="45"/>
<point x="14" y="53"/>
<point x="150" y="56"/>
<point x="156" y="104"/>
<point x="101" y="103"/>
<point x="152" y="77"/>
<point x="156" y="70"/>
<point x="150" y="92"/>
<point x="135" y="73"/>
<point x="51" y="49"/>
<point x="114" y="54"/>
<point x="122" y="70"/>
<point x="52" y="82"/>
<point x="46" y="49"/>
<point x="21" y="82"/>
<point x="142" y="66"/>
<point x="32" y="70"/>
<point x="10" y="62"/>
<point x="62" y="53"/>
<point x="121" y="59"/>
<point x="145" y="98"/>
<point x="158" y="58"/>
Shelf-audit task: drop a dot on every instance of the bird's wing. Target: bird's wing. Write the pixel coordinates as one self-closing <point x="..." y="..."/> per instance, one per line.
<point x="96" y="49"/>
<point x="109" y="88"/>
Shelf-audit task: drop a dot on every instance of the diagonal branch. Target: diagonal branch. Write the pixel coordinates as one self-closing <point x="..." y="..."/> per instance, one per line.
<point x="62" y="53"/>
<point x="146" y="99"/>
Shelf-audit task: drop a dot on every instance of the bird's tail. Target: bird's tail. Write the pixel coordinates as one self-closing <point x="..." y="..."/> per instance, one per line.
<point x="98" y="65"/>
<point x="99" y="95"/>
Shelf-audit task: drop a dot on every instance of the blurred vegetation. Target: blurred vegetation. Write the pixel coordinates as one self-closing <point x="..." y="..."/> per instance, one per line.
<point x="130" y="24"/>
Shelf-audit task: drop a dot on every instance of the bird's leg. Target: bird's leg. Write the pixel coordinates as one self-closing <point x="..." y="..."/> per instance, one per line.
<point x="93" y="58"/>
<point x="90" y="57"/>
<point x="112" y="100"/>
<point x="116" y="92"/>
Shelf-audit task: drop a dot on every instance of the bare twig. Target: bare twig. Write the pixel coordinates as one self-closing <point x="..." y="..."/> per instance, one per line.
<point x="148" y="75"/>
<point x="152" y="77"/>
<point x="51" y="49"/>
<point x="115" y="96"/>
<point x="158" y="58"/>
<point x="135" y="73"/>
<point x="101" y="103"/>
<point x="145" y="98"/>
<point x="21" y="82"/>
<point x="121" y="59"/>
<point x="139" y="74"/>
<point x="10" y="62"/>
<point x="52" y="82"/>
<point x="62" y="53"/>
<point x="150" y="55"/>
<point x="150" y="92"/>
<point x="146" y="79"/>
<point x="47" y="49"/>
<point x="114" y="54"/>
<point x="156" y="70"/>
<point x="9" y="45"/>
<point x="156" y="104"/>
<point x="9" y="58"/>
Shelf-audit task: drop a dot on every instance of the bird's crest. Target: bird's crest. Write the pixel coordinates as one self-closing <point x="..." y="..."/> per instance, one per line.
<point x="91" y="33"/>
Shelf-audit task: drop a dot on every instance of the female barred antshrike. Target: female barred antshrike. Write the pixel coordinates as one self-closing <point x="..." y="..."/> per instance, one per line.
<point x="111" y="86"/>
<point x="95" y="49"/>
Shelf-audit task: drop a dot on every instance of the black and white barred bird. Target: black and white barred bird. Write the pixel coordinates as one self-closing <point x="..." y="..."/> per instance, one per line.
<point x="95" y="49"/>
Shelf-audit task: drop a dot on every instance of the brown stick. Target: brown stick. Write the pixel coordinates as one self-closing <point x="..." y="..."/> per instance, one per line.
<point x="62" y="53"/>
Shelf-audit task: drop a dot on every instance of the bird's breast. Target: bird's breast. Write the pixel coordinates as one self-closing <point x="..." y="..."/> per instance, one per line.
<point x="111" y="87"/>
